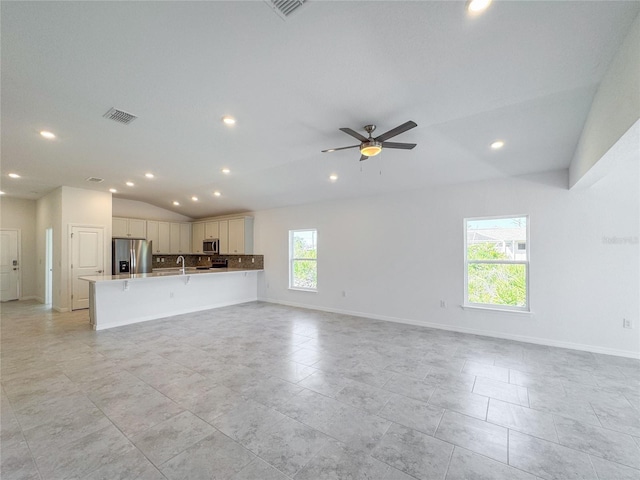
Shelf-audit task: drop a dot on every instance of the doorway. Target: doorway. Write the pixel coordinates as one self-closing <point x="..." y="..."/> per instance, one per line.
<point x="48" y="267"/>
<point x="9" y="264"/>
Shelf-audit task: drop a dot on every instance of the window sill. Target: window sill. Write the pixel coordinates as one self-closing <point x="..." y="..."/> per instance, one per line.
<point x="310" y="290"/>
<point x="501" y="310"/>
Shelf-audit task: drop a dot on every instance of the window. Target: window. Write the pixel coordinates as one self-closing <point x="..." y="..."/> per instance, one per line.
<point x="497" y="262"/>
<point x="303" y="259"/>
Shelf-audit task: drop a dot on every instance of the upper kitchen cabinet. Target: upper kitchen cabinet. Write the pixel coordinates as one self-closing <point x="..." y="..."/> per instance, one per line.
<point x="159" y="234"/>
<point x="212" y="230"/>
<point x="128" y="227"/>
<point x="236" y="236"/>
<point x="180" y="237"/>
<point x="197" y="237"/>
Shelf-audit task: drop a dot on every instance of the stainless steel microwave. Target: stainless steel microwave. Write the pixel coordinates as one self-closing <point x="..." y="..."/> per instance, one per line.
<point x="211" y="245"/>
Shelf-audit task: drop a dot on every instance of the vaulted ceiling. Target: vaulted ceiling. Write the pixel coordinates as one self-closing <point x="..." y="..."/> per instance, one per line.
<point x="524" y="72"/>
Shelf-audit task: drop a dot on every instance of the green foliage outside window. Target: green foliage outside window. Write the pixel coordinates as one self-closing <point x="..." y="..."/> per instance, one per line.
<point x="305" y="272"/>
<point x="497" y="284"/>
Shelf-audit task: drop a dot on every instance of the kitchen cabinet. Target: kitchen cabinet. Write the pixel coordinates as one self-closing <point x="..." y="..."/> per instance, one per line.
<point x="212" y="230"/>
<point x="197" y="237"/>
<point x="185" y="238"/>
<point x="128" y="227"/>
<point x="158" y="233"/>
<point x="223" y="246"/>
<point x="236" y="236"/>
<point x="180" y="238"/>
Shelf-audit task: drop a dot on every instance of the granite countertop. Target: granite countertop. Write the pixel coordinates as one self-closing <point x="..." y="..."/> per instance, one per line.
<point x="165" y="272"/>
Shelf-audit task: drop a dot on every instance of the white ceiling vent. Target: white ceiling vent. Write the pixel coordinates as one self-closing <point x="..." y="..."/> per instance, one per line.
<point x="284" y="8"/>
<point x="94" y="179"/>
<point x="120" y="116"/>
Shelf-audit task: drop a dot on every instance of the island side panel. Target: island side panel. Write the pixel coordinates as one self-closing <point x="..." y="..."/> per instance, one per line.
<point x="116" y="303"/>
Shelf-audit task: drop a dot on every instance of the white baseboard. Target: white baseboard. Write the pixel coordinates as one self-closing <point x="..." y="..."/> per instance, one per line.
<point x="61" y="309"/>
<point x="29" y="297"/>
<point x="507" y="336"/>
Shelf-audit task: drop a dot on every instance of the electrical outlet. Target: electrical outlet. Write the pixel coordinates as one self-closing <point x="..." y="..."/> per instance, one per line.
<point x="170" y="294"/>
<point x="344" y="293"/>
<point x="627" y="323"/>
<point x="443" y="304"/>
<point x="253" y="260"/>
<point x="162" y="259"/>
<point x="239" y="260"/>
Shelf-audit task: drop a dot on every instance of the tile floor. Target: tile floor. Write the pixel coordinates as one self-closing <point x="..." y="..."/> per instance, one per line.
<point x="262" y="391"/>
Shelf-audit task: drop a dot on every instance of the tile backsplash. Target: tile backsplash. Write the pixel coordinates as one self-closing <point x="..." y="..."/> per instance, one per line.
<point x="248" y="262"/>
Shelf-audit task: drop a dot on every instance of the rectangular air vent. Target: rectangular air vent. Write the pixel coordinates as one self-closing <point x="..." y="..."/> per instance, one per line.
<point x="120" y="116"/>
<point x="94" y="179"/>
<point x="284" y="8"/>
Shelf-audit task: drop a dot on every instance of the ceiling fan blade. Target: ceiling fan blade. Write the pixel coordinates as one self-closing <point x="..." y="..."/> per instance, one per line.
<point x="403" y="146"/>
<point x="354" y="134"/>
<point x="364" y="157"/>
<point x="336" y="149"/>
<point x="396" y="131"/>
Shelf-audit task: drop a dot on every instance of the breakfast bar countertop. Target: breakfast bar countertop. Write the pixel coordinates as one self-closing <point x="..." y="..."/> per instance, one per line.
<point x="165" y="272"/>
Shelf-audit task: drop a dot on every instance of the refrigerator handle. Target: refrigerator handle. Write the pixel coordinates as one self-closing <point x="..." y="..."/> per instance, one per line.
<point x="133" y="261"/>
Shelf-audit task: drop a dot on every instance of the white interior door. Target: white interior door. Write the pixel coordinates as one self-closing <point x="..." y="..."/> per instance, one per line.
<point x="87" y="258"/>
<point x="9" y="268"/>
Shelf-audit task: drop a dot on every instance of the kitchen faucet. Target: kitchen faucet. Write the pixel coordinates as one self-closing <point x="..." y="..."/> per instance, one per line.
<point x="178" y="262"/>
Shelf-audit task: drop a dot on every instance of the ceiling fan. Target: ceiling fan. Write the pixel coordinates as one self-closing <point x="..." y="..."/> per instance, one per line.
<point x="370" y="147"/>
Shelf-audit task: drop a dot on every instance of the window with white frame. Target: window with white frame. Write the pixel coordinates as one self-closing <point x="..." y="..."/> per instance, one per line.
<point x="496" y="262"/>
<point x="303" y="259"/>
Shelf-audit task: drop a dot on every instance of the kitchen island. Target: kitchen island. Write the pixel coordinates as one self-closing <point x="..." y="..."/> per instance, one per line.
<point x="116" y="300"/>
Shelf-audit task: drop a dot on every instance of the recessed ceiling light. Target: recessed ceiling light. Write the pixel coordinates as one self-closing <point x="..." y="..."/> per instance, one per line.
<point x="217" y="194"/>
<point x="195" y="199"/>
<point x="1" y="192"/>
<point x="497" y="145"/>
<point x="477" y="6"/>
<point x="113" y="190"/>
<point x="47" y="135"/>
<point x="228" y="120"/>
<point x="333" y="177"/>
<point x="130" y="184"/>
<point x="149" y="175"/>
<point x="176" y="203"/>
<point x="14" y="175"/>
<point x="226" y="171"/>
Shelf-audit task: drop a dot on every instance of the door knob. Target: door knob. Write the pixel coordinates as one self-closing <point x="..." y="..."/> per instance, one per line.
<point x="98" y="271"/>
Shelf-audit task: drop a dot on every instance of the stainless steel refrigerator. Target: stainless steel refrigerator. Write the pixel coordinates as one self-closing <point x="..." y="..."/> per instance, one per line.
<point x="131" y="256"/>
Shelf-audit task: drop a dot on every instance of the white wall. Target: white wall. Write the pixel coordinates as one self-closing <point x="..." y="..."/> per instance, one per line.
<point x="398" y="255"/>
<point x="59" y="210"/>
<point x="615" y="108"/>
<point x="87" y="208"/>
<point x="20" y="213"/>
<point x="49" y="215"/>
<point x="134" y="209"/>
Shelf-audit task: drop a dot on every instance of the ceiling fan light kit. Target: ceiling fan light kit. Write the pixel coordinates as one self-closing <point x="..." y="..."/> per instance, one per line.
<point x="370" y="147"/>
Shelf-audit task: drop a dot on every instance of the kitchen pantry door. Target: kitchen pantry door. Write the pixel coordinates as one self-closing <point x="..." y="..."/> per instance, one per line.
<point x="87" y="258"/>
<point x="9" y="268"/>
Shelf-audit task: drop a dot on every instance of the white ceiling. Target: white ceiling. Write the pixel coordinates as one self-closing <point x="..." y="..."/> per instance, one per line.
<point x="525" y="72"/>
